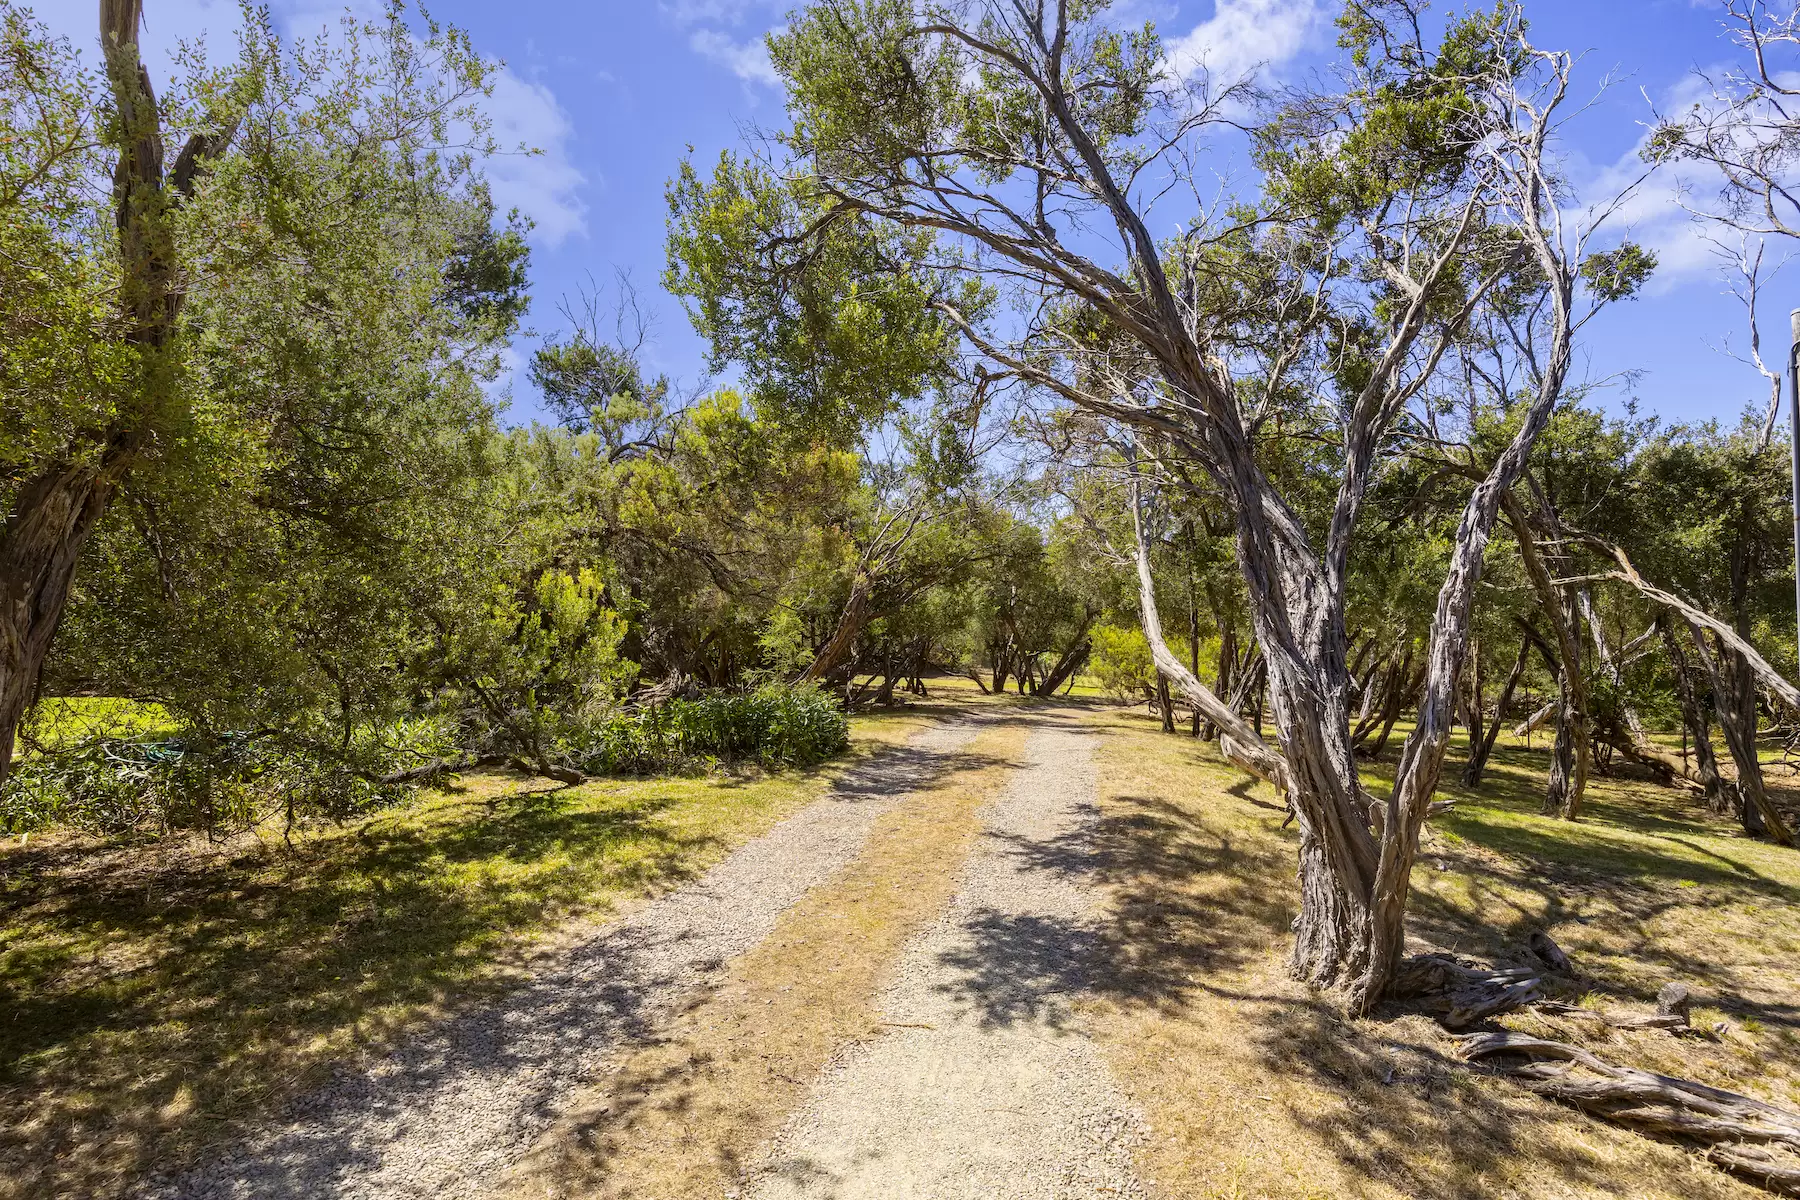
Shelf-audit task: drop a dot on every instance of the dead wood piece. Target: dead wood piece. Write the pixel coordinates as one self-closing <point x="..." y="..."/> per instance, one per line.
<point x="1675" y="999"/>
<point x="1670" y="1021"/>
<point x="429" y="772"/>
<point x="1460" y="993"/>
<point x="1549" y="953"/>
<point x="1530" y="724"/>
<point x="1747" y="1136"/>
<point x="1774" y="1171"/>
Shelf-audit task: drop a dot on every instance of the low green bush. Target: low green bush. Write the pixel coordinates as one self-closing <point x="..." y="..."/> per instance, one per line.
<point x="774" y="726"/>
<point x="116" y="783"/>
<point x="158" y="782"/>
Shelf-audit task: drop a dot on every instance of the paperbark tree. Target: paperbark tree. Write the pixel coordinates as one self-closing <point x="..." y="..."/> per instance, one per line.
<point x="1569" y="757"/>
<point x="1735" y="668"/>
<point x="1481" y="750"/>
<point x="1004" y="130"/>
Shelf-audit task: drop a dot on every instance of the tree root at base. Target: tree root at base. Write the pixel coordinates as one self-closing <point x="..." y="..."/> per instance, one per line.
<point x="1754" y="1140"/>
<point x="1459" y="993"/>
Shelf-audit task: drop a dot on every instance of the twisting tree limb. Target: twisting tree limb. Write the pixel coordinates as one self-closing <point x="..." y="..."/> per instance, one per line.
<point x="1237" y="740"/>
<point x="1699" y="619"/>
<point x="1742" y="1134"/>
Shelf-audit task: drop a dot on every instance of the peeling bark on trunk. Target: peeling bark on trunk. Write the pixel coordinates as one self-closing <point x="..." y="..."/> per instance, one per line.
<point x="1474" y="718"/>
<point x="50" y="521"/>
<point x="1228" y="652"/>
<point x="1734" y="694"/>
<point x="1735" y="668"/>
<point x="1396" y="684"/>
<point x="1238" y="742"/>
<point x="1163" y="708"/>
<point x="1569" y="759"/>
<point x="1073" y="655"/>
<point x="1705" y="771"/>
<point x="1422" y="756"/>
<point x="836" y="650"/>
<point x="1626" y="731"/>
<point x="1749" y="1137"/>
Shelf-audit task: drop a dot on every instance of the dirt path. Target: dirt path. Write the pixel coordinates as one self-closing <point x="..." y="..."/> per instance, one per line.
<point x="446" y="1114"/>
<point x="984" y="1084"/>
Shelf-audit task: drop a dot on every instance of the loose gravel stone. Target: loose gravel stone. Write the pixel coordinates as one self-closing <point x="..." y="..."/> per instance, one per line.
<point x="453" y="1106"/>
<point x="984" y="1084"/>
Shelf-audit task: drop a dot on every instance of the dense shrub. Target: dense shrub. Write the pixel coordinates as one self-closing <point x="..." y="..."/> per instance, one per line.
<point x="113" y="785"/>
<point x="117" y="784"/>
<point x="773" y="726"/>
<point x="158" y="782"/>
<point x="1121" y="661"/>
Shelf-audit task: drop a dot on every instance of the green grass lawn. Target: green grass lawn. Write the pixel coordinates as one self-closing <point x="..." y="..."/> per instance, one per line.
<point x="158" y="995"/>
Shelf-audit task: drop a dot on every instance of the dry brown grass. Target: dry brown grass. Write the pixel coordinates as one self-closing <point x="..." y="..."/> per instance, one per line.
<point x="1256" y="1088"/>
<point x="681" y="1115"/>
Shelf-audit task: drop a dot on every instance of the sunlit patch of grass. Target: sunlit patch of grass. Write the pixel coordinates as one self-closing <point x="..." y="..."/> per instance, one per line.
<point x="60" y="721"/>
<point x="1256" y="1087"/>
<point x="157" y="995"/>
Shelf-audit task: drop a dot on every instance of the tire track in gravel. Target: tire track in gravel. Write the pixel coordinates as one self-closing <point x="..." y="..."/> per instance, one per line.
<point x="454" y="1106"/>
<point x="985" y="1083"/>
<point x="682" y="1113"/>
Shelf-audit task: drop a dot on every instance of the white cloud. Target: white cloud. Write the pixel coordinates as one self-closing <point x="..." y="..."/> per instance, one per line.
<point x="1659" y="214"/>
<point x="749" y="61"/>
<point x="543" y="185"/>
<point x="695" y="12"/>
<point x="1243" y="35"/>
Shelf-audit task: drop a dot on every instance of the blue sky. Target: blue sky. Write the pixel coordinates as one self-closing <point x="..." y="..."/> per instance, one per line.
<point x="615" y="91"/>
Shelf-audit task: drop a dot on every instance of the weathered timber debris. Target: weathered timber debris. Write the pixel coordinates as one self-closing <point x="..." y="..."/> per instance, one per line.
<point x="1459" y="992"/>
<point x="1757" y="1141"/>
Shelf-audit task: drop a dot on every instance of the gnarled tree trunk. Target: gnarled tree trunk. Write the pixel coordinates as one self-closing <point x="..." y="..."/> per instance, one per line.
<point x="836" y="650"/>
<point x="1073" y="655"/>
<point x="1569" y="757"/>
<point x="56" y="509"/>
<point x="1705" y="771"/>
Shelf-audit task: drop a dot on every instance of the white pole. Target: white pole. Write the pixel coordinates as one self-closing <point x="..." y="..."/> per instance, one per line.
<point x="1794" y="438"/>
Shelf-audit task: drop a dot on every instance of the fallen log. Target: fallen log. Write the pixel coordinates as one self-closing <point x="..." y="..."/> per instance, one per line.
<point x="1669" y="1021"/>
<point x="429" y="772"/>
<point x="1530" y="724"/>
<point x="1460" y="993"/>
<point x="1746" y="1136"/>
<point x="1674" y="1007"/>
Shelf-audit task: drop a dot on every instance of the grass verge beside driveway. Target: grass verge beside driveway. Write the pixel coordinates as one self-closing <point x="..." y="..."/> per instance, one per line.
<point x="158" y="996"/>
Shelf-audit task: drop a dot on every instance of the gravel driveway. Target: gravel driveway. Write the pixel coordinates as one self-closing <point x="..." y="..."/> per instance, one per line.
<point x="455" y="1105"/>
<point x="983" y="1086"/>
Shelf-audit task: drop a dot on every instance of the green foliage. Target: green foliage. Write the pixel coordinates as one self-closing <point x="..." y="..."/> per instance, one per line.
<point x="61" y="370"/>
<point x="1619" y="273"/>
<point x="833" y="334"/>
<point x="773" y="727"/>
<point x="318" y="482"/>
<point x="1121" y="661"/>
<point x="117" y="785"/>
